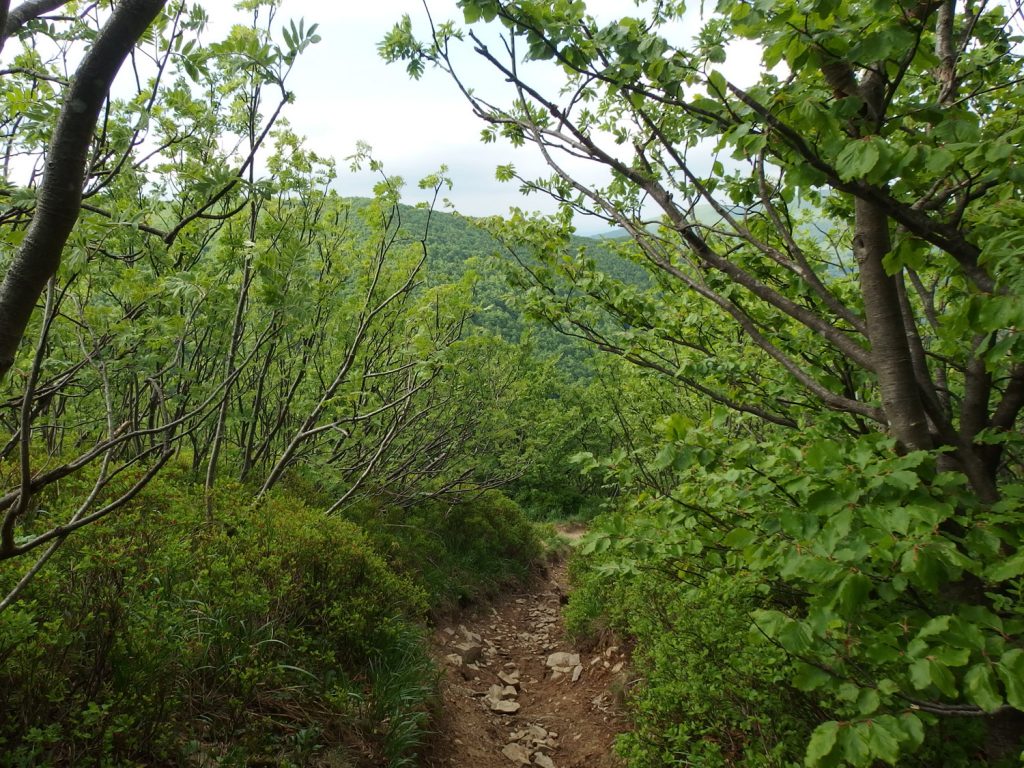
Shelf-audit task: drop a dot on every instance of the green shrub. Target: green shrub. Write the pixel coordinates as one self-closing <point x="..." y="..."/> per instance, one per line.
<point x="700" y="692"/>
<point x="459" y="552"/>
<point x="157" y="637"/>
<point x="558" y="501"/>
<point x="893" y="591"/>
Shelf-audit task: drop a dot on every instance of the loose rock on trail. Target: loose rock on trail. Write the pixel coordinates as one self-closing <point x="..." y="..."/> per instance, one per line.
<point x="516" y="693"/>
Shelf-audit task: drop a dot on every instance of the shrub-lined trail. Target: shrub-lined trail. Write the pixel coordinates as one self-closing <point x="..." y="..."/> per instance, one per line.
<point x="762" y="335"/>
<point x="516" y="692"/>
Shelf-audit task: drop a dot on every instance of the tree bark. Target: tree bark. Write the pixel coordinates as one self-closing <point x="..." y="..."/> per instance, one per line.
<point x="60" y="193"/>
<point x="5" y="14"/>
<point x="14" y="20"/>
<point x="890" y="350"/>
<point x="945" y="52"/>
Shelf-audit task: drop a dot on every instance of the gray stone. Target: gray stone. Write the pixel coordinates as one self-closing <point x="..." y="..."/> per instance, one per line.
<point x="536" y="733"/>
<point x="469" y="637"/>
<point x="539" y="758"/>
<point x="517" y="753"/>
<point x="562" y="661"/>
<point x="470" y="652"/>
<point x="496" y="692"/>
<point x="504" y="707"/>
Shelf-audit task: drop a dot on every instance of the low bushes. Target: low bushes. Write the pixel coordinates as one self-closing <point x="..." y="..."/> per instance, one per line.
<point x="459" y="552"/>
<point x="700" y="692"/>
<point x="837" y="603"/>
<point x="274" y="636"/>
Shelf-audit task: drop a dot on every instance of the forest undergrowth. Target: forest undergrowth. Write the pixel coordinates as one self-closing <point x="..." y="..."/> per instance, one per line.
<point x="262" y="634"/>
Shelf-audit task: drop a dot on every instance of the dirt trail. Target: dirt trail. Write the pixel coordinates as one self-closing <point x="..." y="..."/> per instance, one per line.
<point x="508" y="700"/>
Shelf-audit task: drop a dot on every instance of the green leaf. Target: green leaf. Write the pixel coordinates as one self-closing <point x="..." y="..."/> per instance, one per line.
<point x="857" y="159"/>
<point x="912" y="728"/>
<point x="823" y="740"/>
<point x="836" y="530"/>
<point x="822" y="454"/>
<point x="854" y="741"/>
<point x="980" y="688"/>
<point x="794" y="637"/>
<point x="770" y="622"/>
<point x="852" y="593"/>
<point x="1011" y="670"/>
<point x="998" y="151"/>
<point x="868" y="701"/>
<point x="887" y="686"/>
<point x="665" y="458"/>
<point x="809" y="678"/>
<point x="942" y="678"/>
<point x="939" y="160"/>
<point x="934" y="626"/>
<point x="738" y="538"/>
<point x="1010" y="568"/>
<point x="952" y="657"/>
<point x="882" y="742"/>
<point x="920" y="674"/>
<point x="903" y="479"/>
<point x="718" y="83"/>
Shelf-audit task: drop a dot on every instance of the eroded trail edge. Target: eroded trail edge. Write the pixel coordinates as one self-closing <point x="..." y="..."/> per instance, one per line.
<point x="516" y="692"/>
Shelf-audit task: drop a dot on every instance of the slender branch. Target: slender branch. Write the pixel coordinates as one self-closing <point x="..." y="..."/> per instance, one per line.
<point x="16" y="18"/>
<point x="25" y="429"/>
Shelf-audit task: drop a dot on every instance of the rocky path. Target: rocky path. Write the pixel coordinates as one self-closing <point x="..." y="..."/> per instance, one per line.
<point x="516" y="693"/>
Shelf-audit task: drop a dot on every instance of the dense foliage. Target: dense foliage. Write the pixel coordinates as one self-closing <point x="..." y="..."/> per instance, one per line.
<point x="833" y="246"/>
<point x="252" y="428"/>
<point x="276" y="635"/>
<point x="255" y="429"/>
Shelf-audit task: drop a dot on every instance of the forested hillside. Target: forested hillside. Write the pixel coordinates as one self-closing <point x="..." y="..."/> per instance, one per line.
<point x="264" y="446"/>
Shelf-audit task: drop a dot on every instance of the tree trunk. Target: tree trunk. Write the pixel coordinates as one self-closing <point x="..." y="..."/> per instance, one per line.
<point x="60" y="193"/>
<point x="890" y="351"/>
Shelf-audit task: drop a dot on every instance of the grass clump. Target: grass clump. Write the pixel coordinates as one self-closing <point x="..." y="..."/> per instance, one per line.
<point x="460" y="552"/>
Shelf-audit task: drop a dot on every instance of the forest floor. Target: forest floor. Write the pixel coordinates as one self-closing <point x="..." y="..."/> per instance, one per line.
<point x="516" y="692"/>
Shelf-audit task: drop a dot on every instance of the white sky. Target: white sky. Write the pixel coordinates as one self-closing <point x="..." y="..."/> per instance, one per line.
<point x="345" y="93"/>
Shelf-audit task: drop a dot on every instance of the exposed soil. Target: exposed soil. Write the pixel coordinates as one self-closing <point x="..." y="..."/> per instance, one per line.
<point x="562" y="711"/>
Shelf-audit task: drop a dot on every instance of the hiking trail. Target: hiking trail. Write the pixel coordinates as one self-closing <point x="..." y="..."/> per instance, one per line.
<point x="515" y="692"/>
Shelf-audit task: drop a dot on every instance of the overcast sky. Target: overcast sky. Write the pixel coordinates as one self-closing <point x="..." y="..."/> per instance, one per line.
<point x="345" y="93"/>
